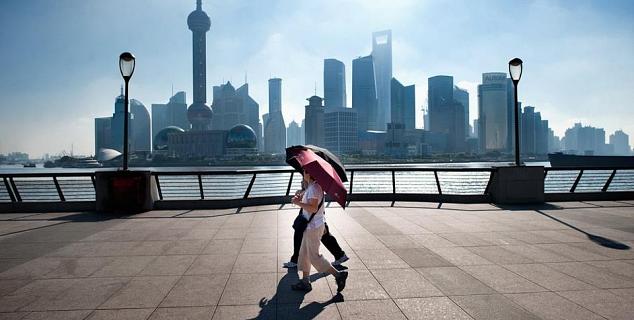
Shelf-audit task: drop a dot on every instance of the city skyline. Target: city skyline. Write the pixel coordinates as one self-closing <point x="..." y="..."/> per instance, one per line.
<point x="569" y="74"/>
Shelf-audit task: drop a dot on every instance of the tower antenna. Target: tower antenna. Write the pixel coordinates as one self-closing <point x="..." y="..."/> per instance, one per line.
<point x="315" y="87"/>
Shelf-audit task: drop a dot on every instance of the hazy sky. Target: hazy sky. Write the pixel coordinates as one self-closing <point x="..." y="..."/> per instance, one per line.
<point x="59" y="57"/>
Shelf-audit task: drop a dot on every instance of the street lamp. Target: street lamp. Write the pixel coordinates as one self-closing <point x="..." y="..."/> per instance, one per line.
<point x="515" y="70"/>
<point x="126" y="66"/>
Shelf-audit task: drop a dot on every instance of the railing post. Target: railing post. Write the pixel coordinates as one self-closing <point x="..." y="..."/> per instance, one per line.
<point x="59" y="189"/>
<point x="574" y="185"/>
<point x="393" y="183"/>
<point x="486" y="189"/>
<point x="9" y="189"/>
<point x="607" y="183"/>
<point x="200" y="186"/>
<point x="15" y="190"/>
<point x="94" y="183"/>
<point x="246" y="194"/>
<point x="437" y="182"/>
<point x="290" y="182"/>
<point x="158" y="186"/>
<point x="351" y="179"/>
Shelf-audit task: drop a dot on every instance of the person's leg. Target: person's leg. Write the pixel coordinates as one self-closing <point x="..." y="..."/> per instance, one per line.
<point x="297" y="242"/>
<point x="330" y="242"/>
<point x="303" y="260"/>
<point x="312" y="239"/>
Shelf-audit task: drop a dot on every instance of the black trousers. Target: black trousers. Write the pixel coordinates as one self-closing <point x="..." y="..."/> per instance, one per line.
<point x="327" y="239"/>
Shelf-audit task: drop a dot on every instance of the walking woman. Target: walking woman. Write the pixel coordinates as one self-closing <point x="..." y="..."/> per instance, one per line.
<point x="312" y="204"/>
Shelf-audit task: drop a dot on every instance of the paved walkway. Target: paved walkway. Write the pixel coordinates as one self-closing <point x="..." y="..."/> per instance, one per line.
<point x="408" y="261"/>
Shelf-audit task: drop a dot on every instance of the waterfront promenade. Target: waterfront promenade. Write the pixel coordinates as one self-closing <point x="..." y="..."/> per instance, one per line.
<point x="409" y="260"/>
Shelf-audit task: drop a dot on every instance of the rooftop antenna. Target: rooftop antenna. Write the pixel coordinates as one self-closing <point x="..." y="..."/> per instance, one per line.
<point x="315" y="87"/>
<point x="122" y="89"/>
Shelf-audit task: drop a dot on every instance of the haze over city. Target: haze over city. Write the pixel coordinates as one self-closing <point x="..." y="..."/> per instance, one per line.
<point x="60" y="68"/>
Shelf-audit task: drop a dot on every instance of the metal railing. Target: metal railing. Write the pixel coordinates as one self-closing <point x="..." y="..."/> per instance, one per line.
<point x="236" y="188"/>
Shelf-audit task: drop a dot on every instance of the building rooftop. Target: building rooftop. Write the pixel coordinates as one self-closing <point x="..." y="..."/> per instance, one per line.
<point x="407" y="261"/>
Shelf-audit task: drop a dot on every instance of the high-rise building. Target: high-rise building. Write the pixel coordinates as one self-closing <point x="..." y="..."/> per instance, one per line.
<point x="233" y="107"/>
<point x="142" y="137"/>
<point x="462" y="96"/>
<point x="446" y="114"/>
<point x="334" y="84"/>
<point x="403" y="104"/>
<point x="340" y="130"/>
<point x="382" y="54"/>
<point x="173" y="113"/>
<point x="118" y="123"/>
<point x="364" y="98"/>
<point x="582" y="140"/>
<point x="199" y="114"/>
<point x="426" y="124"/>
<point x="621" y="143"/>
<point x="314" y="119"/>
<point x="274" y="126"/>
<point x="294" y="134"/>
<point x="493" y="130"/>
<point x="510" y="116"/>
<point x="103" y="134"/>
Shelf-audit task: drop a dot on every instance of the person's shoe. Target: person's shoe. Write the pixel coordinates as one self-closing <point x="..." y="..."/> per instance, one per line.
<point x="302" y="285"/>
<point x="341" y="280"/>
<point x="290" y="264"/>
<point x="340" y="260"/>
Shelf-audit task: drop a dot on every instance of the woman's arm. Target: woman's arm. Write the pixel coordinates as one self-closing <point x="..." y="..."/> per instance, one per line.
<point x="311" y="206"/>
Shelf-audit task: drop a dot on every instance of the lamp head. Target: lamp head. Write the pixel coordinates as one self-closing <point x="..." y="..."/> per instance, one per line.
<point x="515" y="70"/>
<point x="126" y="65"/>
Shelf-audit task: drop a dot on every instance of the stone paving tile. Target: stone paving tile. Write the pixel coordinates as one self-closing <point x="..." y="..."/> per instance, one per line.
<point x="231" y="233"/>
<point x="305" y="311"/>
<point x="249" y="288"/>
<point x="370" y="309"/>
<point x="602" y="302"/>
<point x="285" y="295"/>
<point x="9" y="286"/>
<point x="361" y="285"/>
<point x="549" y="305"/>
<point x="537" y="253"/>
<point x="621" y="268"/>
<point x="453" y="281"/>
<point x="255" y="262"/>
<point x="79" y="267"/>
<point x="183" y="313"/>
<point x="209" y="264"/>
<point x="113" y="248"/>
<point x="33" y="269"/>
<point x="592" y="275"/>
<point x="548" y="278"/>
<point x="87" y="293"/>
<point x="124" y="266"/>
<point x="186" y="247"/>
<point x="397" y="241"/>
<point x="492" y="307"/>
<point x="38" y="289"/>
<point x="150" y="248"/>
<point x="529" y="237"/>
<point x="381" y="259"/>
<point x="242" y="312"/>
<point x="58" y="315"/>
<point x="224" y="247"/>
<point x="499" y="255"/>
<point x="465" y="239"/>
<point x="502" y="280"/>
<point x="460" y="256"/>
<point x="421" y="257"/>
<point x="196" y="291"/>
<point x="13" y="315"/>
<point x="574" y="253"/>
<point x="141" y="292"/>
<point x="364" y="243"/>
<point x="168" y="265"/>
<point x="259" y="246"/>
<point x="431" y="308"/>
<point x="431" y="240"/>
<point x="405" y="283"/>
<point x="120" y="314"/>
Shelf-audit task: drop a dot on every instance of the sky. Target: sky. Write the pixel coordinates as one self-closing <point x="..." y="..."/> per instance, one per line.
<point x="59" y="58"/>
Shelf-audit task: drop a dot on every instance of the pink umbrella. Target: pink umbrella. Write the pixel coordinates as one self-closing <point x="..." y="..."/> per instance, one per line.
<point x="323" y="172"/>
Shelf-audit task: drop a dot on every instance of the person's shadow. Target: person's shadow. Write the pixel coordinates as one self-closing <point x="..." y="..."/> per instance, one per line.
<point x="287" y="303"/>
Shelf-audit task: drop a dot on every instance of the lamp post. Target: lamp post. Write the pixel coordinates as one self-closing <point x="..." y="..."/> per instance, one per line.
<point x="515" y="70"/>
<point x="126" y="66"/>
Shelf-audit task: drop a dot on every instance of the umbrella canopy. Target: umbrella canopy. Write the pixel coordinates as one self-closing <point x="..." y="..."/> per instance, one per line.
<point x="323" y="173"/>
<point x="323" y="153"/>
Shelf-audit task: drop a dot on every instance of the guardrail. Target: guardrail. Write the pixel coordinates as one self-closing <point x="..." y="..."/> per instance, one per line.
<point x="237" y="188"/>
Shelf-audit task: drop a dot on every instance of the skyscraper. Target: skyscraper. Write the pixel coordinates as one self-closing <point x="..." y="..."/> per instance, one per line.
<point x="252" y="110"/>
<point x="142" y="138"/>
<point x="446" y="115"/>
<point x="493" y="129"/>
<point x="403" y="104"/>
<point x="294" y="134"/>
<point x="364" y="98"/>
<point x="173" y="113"/>
<point x="462" y="96"/>
<point x="510" y="116"/>
<point x="334" y="84"/>
<point x="621" y="143"/>
<point x="103" y="134"/>
<point x="382" y="54"/>
<point x="199" y="114"/>
<point x="340" y="130"/>
<point x="117" y="125"/>
<point x="274" y="126"/>
<point x="314" y="121"/>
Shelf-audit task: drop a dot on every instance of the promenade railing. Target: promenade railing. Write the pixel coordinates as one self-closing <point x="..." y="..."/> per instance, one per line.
<point x="238" y="188"/>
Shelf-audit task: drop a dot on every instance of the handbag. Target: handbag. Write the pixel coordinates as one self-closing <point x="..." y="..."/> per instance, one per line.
<point x="301" y="223"/>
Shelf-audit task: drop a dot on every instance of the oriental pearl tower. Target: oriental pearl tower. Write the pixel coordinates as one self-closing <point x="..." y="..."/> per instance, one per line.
<point x="198" y="113"/>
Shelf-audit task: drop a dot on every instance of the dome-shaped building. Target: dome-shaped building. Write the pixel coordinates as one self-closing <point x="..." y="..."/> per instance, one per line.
<point x="161" y="138"/>
<point x="241" y="139"/>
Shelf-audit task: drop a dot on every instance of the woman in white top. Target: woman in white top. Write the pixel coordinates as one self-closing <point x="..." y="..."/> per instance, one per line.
<point x="311" y="202"/>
